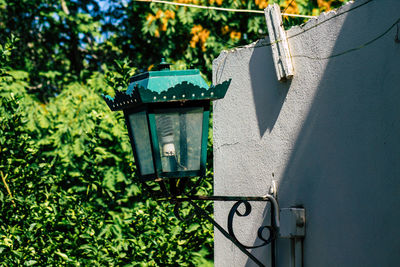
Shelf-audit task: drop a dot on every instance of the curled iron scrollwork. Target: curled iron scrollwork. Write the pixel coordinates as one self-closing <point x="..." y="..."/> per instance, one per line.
<point x="235" y="210"/>
<point x="272" y="229"/>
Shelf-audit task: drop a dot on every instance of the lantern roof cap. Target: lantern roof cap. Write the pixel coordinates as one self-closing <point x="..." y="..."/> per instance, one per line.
<point x="158" y="81"/>
<point x="166" y="86"/>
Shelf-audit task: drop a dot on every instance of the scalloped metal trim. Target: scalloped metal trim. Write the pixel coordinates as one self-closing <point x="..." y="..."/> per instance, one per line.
<point x="184" y="91"/>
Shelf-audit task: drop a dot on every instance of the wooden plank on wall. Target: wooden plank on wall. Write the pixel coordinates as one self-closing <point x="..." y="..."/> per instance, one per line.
<point x="279" y="44"/>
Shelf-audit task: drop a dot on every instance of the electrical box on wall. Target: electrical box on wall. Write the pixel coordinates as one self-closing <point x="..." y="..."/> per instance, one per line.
<point x="292" y="223"/>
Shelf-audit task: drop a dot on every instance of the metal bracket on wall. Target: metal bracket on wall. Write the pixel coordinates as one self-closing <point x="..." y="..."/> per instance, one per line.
<point x="273" y="228"/>
<point x="293" y="226"/>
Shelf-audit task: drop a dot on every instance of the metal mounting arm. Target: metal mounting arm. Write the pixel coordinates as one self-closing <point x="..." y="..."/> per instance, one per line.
<point x="273" y="228"/>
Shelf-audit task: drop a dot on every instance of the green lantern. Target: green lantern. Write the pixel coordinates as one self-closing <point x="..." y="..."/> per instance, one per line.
<point x="167" y="116"/>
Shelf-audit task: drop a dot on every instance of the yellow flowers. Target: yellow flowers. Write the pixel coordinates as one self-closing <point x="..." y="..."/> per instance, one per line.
<point x="324" y="5"/>
<point x="169" y="14"/>
<point x="150" y="67"/>
<point x="292" y="8"/>
<point x="234" y="35"/>
<point x="159" y="14"/>
<point x="225" y="29"/>
<point x="150" y="18"/>
<point x="261" y="3"/>
<point x="200" y="36"/>
<point x="161" y="17"/>
<point x="218" y="2"/>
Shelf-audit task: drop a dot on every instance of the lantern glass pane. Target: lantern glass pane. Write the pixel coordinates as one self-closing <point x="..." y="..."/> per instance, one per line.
<point x="179" y="135"/>
<point x="141" y="138"/>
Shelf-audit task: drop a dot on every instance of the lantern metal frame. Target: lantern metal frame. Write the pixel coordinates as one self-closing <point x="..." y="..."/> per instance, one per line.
<point x="150" y="110"/>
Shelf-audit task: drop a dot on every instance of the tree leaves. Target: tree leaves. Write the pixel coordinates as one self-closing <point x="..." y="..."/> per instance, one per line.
<point x="77" y="199"/>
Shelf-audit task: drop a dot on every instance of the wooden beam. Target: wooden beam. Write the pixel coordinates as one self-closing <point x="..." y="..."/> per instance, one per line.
<point x="279" y="44"/>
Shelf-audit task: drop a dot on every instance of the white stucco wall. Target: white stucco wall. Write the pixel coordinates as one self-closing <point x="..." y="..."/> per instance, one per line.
<point x="330" y="138"/>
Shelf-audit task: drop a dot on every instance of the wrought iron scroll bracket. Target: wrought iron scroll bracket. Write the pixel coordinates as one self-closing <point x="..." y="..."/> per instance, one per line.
<point x="273" y="229"/>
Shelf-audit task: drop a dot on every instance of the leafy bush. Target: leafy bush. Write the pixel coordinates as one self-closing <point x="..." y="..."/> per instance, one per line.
<point x="73" y="195"/>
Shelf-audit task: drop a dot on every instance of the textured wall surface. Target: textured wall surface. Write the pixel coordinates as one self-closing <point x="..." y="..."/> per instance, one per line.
<point x="330" y="138"/>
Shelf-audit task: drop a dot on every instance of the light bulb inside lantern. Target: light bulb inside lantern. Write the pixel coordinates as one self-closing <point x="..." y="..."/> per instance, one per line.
<point x="167" y="136"/>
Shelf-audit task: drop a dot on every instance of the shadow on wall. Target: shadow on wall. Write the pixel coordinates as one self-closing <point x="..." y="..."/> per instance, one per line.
<point x="344" y="168"/>
<point x="345" y="165"/>
<point x="268" y="96"/>
<point x="268" y="93"/>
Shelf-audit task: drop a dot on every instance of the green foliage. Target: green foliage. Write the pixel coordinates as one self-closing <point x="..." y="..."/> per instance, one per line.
<point x="5" y="53"/>
<point x="119" y="79"/>
<point x="62" y="41"/>
<point x="53" y="36"/>
<point x="74" y="196"/>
